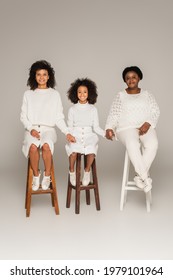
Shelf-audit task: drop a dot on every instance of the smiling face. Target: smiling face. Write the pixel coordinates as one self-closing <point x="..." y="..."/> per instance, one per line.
<point x="132" y="79"/>
<point x="82" y="94"/>
<point x="42" y="78"/>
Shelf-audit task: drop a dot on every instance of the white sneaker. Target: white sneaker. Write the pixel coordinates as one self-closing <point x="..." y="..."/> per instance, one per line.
<point x="36" y="182"/>
<point x="86" y="179"/>
<point x="139" y="182"/>
<point x="45" y="182"/>
<point x="148" y="184"/>
<point x="73" y="178"/>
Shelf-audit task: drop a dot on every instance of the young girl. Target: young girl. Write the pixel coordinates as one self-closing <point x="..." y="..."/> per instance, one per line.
<point x="134" y="114"/>
<point x="82" y="120"/>
<point x="41" y="111"/>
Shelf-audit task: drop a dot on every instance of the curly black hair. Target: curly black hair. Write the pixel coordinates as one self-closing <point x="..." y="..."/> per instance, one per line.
<point x="132" y="69"/>
<point x="39" y="65"/>
<point x="90" y="85"/>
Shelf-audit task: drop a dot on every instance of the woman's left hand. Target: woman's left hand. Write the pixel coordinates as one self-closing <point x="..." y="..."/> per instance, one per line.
<point x="144" y="128"/>
<point x="70" y="138"/>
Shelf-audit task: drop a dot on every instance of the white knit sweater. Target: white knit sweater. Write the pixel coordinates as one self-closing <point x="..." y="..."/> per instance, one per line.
<point x="84" y="115"/>
<point x="132" y="110"/>
<point x="42" y="107"/>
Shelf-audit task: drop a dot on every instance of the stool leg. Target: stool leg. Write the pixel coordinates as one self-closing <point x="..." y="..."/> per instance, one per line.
<point x="95" y="182"/>
<point x="78" y="175"/>
<point x="69" y="191"/>
<point x="29" y="191"/>
<point x="125" y="181"/>
<point x="27" y="182"/>
<point x="87" y="192"/>
<point x="54" y="194"/>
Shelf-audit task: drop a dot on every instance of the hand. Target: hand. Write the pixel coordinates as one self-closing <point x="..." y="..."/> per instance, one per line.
<point x="70" y="138"/>
<point x="144" y="128"/>
<point x="35" y="133"/>
<point x="110" y="134"/>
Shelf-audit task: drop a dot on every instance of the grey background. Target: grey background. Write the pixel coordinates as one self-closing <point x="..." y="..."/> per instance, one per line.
<point x="95" y="39"/>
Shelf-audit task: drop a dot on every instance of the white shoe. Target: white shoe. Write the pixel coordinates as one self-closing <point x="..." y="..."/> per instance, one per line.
<point x="139" y="182"/>
<point x="73" y="178"/>
<point x="36" y="182"/>
<point x="45" y="182"/>
<point x="148" y="184"/>
<point x="86" y="179"/>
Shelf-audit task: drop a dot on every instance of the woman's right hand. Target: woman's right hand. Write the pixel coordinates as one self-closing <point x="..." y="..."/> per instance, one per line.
<point x="110" y="134"/>
<point x="35" y="133"/>
<point x="70" y="138"/>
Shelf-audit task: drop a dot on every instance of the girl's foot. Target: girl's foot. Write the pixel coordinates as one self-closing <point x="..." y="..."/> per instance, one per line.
<point x="86" y="178"/>
<point x="73" y="178"/>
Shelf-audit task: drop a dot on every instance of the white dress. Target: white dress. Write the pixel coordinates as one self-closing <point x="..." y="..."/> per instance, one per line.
<point x="42" y="110"/>
<point x="83" y="124"/>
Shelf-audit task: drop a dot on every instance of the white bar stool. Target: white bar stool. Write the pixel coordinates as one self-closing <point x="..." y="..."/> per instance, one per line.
<point x="130" y="186"/>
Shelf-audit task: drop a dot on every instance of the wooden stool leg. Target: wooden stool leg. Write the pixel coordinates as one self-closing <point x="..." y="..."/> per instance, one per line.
<point x="95" y="181"/>
<point x="78" y="175"/>
<point x="69" y="191"/>
<point x="54" y="194"/>
<point x="87" y="192"/>
<point x="29" y="190"/>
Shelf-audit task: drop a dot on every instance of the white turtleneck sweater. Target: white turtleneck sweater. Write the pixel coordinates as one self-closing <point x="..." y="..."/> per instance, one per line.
<point x="42" y="107"/>
<point x="132" y="110"/>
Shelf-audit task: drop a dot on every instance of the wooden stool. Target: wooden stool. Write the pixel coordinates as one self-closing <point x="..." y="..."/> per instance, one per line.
<point x="130" y="186"/>
<point x="30" y="192"/>
<point x="79" y="187"/>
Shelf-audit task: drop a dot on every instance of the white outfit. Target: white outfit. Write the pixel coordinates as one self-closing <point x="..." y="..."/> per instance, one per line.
<point x="129" y="112"/>
<point x="42" y="110"/>
<point x="82" y="121"/>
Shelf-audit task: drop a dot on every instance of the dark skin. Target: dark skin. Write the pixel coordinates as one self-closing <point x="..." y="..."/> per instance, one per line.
<point x="132" y="80"/>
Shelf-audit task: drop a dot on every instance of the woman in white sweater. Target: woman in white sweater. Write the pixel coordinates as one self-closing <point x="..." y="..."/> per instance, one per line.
<point x="83" y="124"/>
<point x="134" y="114"/>
<point x="41" y="111"/>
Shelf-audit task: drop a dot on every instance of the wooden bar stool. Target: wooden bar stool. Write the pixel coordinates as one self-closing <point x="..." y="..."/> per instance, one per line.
<point x="30" y="192"/>
<point x="79" y="187"/>
<point x="130" y="186"/>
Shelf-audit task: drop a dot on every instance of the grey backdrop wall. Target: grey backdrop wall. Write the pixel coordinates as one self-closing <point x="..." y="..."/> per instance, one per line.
<point x="95" y="39"/>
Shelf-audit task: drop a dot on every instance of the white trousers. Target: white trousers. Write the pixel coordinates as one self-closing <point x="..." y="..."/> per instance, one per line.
<point x="141" y="149"/>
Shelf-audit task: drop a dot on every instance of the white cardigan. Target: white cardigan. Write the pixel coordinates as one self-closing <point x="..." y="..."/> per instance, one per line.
<point x="132" y="110"/>
<point x="42" y="107"/>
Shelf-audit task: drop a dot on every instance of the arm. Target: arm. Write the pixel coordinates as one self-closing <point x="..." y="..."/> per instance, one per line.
<point x="60" y="123"/>
<point x="23" y="115"/>
<point x="96" y="126"/>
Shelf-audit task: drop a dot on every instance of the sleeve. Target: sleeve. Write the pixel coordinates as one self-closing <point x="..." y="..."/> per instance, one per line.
<point x="114" y="113"/>
<point x="70" y="121"/>
<point x="60" y="123"/>
<point x="154" y="110"/>
<point x="24" y="114"/>
<point x="96" y="126"/>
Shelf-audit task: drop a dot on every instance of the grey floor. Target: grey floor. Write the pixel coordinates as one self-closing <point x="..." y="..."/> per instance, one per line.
<point x="106" y="234"/>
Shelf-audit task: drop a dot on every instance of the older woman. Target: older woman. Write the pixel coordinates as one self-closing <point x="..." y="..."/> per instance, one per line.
<point x="133" y="117"/>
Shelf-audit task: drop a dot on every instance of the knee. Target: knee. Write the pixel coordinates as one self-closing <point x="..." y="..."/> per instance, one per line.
<point x="132" y="145"/>
<point x="45" y="148"/>
<point x="33" y="149"/>
<point x="73" y="155"/>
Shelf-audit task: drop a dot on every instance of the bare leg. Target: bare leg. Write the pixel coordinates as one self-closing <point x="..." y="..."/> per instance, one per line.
<point x="72" y="160"/>
<point x="34" y="156"/>
<point x="89" y="160"/>
<point x="47" y="159"/>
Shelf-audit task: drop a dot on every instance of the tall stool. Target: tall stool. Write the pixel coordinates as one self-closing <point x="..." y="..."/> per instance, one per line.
<point x="79" y="187"/>
<point x="30" y="192"/>
<point x="130" y="186"/>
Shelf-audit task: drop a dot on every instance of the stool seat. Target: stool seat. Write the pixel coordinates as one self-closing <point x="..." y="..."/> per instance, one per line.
<point x="29" y="192"/>
<point x="128" y="185"/>
<point x="79" y="187"/>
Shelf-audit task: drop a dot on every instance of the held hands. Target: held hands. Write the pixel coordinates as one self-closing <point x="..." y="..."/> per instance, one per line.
<point x="35" y="133"/>
<point x="110" y="134"/>
<point x="70" y="138"/>
<point x="144" y="128"/>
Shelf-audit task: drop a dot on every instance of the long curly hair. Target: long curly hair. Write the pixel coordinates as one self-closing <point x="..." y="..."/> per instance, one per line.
<point x="39" y="65"/>
<point x="90" y="85"/>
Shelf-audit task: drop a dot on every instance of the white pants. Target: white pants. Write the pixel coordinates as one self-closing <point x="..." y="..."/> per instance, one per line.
<point x="141" y="149"/>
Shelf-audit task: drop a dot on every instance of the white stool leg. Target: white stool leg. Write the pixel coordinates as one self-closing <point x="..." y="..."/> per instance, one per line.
<point x="125" y="181"/>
